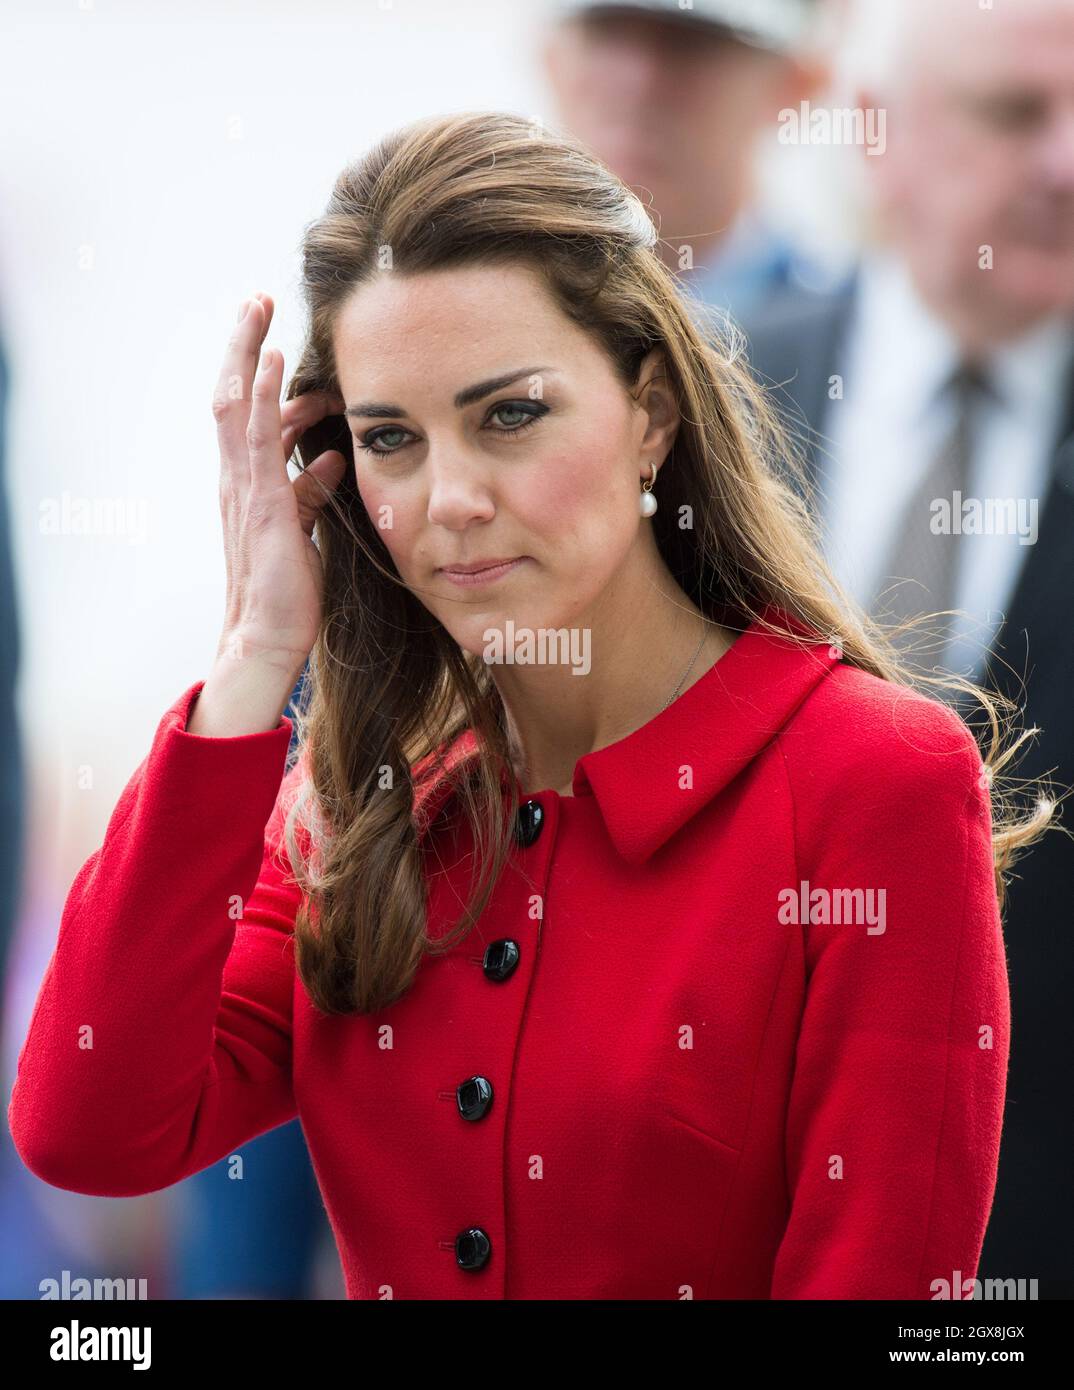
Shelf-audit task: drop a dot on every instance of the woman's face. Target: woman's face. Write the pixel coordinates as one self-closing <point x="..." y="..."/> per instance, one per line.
<point x="488" y="426"/>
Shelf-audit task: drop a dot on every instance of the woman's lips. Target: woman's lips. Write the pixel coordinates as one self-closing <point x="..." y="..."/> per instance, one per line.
<point x="488" y="576"/>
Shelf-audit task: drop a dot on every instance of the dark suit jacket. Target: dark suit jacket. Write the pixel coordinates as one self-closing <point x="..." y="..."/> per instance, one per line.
<point x="795" y="345"/>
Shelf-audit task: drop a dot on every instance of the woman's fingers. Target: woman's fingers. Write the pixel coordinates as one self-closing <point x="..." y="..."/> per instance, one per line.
<point x="301" y="412"/>
<point x="257" y="435"/>
<point x="268" y="305"/>
<point x="268" y="462"/>
<point x="274" y="572"/>
<point x="315" y="484"/>
<point x="233" y="397"/>
<point x="307" y="409"/>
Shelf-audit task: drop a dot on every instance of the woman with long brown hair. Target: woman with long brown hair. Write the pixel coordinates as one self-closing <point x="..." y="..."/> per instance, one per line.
<point x="629" y="924"/>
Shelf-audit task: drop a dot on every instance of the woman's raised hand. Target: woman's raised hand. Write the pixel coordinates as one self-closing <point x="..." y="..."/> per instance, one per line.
<point x="274" y="574"/>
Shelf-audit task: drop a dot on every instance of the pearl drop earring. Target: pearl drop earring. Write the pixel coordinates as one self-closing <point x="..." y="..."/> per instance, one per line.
<point x="647" y="501"/>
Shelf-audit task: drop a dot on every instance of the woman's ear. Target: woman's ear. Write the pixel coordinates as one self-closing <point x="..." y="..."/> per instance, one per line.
<point x="654" y="395"/>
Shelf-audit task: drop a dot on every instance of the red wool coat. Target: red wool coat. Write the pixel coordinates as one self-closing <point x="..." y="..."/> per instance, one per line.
<point x="734" y="1025"/>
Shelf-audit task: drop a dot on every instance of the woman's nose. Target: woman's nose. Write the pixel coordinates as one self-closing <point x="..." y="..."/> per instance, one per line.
<point x="458" y="492"/>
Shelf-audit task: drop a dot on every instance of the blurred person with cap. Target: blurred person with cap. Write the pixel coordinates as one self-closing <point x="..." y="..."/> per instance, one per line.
<point x="675" y="99"/>
<point x="935" y="394"/>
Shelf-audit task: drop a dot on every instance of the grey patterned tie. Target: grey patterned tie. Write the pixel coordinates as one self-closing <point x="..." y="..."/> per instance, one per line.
<point x="921" y="574"/>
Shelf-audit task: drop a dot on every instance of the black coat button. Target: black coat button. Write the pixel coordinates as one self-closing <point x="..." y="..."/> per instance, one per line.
<point x="501" y="960"/>
<point x="528" y="823"/>
<point x="474" y="1097"/>
<point x="472" y="1248"/>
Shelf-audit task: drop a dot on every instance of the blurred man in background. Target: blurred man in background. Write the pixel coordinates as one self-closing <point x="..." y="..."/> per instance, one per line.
<point x="674" y="100"/>
<point x="936" y="396"/>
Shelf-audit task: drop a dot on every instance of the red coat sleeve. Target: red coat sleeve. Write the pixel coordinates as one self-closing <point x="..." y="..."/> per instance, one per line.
<point x="161" y="1036"/>
<point x="896" y="1107"/>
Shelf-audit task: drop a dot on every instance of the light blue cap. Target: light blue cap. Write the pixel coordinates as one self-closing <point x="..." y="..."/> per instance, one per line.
<point x="780" y="25"/>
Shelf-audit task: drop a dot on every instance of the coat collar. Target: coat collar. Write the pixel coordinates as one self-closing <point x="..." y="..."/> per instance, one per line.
<point x="650" y="783"/>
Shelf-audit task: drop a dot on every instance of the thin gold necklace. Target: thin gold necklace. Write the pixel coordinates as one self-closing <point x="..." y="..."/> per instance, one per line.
<point x="688" y="669"/>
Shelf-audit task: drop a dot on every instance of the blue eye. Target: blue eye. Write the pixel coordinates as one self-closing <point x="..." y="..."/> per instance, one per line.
<point x="527" y="418"/>
<point x="531" y="412"/>
<point x="376" y="437"/>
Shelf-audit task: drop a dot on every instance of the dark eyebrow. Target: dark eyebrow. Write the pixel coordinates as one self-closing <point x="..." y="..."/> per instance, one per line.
<point x="467" y="396"/>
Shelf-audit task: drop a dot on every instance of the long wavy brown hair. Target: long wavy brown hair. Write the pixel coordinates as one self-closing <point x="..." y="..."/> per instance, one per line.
<point x="388" y="690"/>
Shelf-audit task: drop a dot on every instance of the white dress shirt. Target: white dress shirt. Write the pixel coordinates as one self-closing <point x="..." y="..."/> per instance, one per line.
<point x="879" y="439"/>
